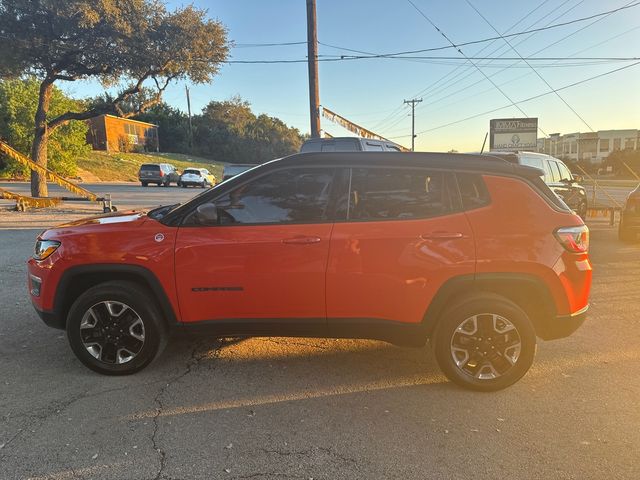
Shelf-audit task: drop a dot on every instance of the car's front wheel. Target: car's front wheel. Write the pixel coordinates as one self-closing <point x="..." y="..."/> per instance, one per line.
<point x="114" y="328"/>
<point x="485" y="343"/>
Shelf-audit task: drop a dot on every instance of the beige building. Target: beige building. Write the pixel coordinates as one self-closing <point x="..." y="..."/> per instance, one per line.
<point x="591" y="147"/>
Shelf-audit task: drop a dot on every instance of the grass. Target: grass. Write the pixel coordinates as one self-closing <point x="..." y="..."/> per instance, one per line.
<point x="123" y="167"/>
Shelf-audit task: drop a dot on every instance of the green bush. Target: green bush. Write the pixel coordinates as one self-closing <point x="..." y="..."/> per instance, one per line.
<point x="18" y="102"/>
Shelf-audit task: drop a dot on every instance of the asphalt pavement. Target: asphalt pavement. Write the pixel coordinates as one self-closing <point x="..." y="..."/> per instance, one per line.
<point x="274" y="408"/>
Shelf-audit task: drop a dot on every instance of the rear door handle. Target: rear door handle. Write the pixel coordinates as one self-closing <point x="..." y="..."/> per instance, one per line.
<point x="442" y="236"/>
<point x="302" y="240"/>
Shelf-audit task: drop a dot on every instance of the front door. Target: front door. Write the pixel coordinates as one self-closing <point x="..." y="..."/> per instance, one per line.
<point x="266" y="257"/>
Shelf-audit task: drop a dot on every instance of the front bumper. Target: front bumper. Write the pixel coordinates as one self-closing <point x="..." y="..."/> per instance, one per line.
<point x="51" y="319"/>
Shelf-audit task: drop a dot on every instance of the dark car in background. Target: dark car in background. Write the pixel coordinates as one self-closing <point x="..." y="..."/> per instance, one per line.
<point x="162" y="174"/>
<point x="629" y="227"/>
<point x="556" y="175"/>
<point x="348" y="144"/>
<point x="234" y="169"/>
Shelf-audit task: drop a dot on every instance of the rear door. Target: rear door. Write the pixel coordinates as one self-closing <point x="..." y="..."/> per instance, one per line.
<point x="266" y="257"/>
<point x="404" y="236"/>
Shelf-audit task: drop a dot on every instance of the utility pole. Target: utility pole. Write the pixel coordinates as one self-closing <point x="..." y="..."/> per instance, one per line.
<point x="413" y="120"/>
<point x="190" y="126"/>
<point x="312" y="60"/>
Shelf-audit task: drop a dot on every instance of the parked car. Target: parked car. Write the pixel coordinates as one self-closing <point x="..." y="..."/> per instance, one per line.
<point x="348" y="144"/>
<point x="197" y="177"/>
<point x="398" y="247"/>
<point x="629" y="227"/>
<point x="162" y="174"/>
<point x="235" y="169"/>
<point x="556" y="174"/>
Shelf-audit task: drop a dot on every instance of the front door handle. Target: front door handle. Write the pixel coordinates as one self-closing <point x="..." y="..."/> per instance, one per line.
<point x="442" y="236"/>
<point x="301" y="240"/>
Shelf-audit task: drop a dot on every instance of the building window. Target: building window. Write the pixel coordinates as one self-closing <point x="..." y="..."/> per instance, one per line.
<point x="604" y="145"/>
<point x="132" y="133"/>
<point x="616" y="144"/>
<point x="628" y="144"/>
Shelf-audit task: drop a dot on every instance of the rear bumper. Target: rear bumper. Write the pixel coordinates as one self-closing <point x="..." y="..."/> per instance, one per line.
<point x="563" y="325"/>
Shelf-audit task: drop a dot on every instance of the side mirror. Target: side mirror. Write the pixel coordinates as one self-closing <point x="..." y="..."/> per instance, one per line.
<point x="206" y="214"/>
<point x="577" y="178"/>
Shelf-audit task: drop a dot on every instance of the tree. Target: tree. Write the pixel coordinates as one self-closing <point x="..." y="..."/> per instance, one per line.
<point x="18" y="104"/>
<point x="229" y="131"/>
<point x="173" y="127"/>
<point x="125" y="44"/>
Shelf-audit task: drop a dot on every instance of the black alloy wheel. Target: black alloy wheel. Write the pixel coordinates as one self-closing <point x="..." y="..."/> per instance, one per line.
<point x="115" y="328"/>
<point x="485" y="343"/>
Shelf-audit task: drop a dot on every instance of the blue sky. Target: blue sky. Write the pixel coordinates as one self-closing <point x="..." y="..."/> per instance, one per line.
<point x="370" y="92"/>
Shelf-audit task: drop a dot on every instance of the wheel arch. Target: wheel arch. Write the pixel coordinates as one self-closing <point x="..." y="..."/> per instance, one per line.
<point x="529" y="292"/>
<point x="77" y="280"/>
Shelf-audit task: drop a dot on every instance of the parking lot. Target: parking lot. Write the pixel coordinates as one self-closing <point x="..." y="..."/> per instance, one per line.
<point x="271" y="408"/>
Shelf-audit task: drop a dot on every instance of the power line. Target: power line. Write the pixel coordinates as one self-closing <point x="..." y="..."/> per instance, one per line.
<point x="531" y="66"/>
<point x="534" y="53"/>
<point x="433" y="85"/>
<point x="504" y="94"/>
<point x="525" y="100"/>
<point x="434" y="59"/>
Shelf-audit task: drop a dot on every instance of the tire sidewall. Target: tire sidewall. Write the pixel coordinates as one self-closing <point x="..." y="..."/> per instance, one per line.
<point x="136" y="298"/>
<point x="453" y="317"/>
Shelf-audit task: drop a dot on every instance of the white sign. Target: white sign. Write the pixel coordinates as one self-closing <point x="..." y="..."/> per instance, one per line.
<point x="513" y="134"/>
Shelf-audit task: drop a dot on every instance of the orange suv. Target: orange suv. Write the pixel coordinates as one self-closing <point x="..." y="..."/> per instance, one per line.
<point x="471" y="253"/>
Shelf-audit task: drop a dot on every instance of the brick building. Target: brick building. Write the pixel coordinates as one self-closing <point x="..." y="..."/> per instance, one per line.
<point x="115" y="134"/>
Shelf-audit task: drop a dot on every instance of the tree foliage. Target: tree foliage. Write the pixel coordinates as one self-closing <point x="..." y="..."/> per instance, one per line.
<point x="125" y="44"/>
<point x="18" y="104"/>
<point x="623" y="160"/>
<point x="226" y="131"/>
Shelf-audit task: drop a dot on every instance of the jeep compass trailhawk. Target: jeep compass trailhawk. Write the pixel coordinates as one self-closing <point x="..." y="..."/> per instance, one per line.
<point x="473" y="253"/>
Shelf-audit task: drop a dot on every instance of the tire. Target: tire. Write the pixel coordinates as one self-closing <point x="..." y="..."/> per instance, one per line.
<point x="101" y="308"/>
<point x="203" y="184"/>
<point x="183" y="185"/>
<point x="505" y="332"/>
<point x="159" y="184"/>
<point x="144" y="184"/>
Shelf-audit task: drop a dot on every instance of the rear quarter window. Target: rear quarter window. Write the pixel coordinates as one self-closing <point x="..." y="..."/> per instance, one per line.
<point x="473" y="191"/>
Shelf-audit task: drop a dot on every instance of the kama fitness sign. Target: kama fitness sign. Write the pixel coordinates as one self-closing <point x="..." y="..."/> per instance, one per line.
<point x="513" y="134"/>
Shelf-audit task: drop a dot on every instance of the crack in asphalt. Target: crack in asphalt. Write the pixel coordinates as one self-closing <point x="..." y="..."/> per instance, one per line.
<point x="192" y="363"/>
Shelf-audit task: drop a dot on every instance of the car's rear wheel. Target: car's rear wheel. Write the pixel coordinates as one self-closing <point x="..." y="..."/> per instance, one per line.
<point x="144" y="184"/>
<point x="203" y="184"/>
<point x="485" y="343"/>
<point x="115" y="328"/>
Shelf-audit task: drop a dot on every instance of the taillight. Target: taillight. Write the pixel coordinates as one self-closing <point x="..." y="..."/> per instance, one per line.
<point x="574" y="239"/>
<point x="161" y="173"/>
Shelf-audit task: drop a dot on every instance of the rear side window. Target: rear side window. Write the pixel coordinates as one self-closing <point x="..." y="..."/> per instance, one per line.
<point x="473" y="191"/>
<point x="399" y="193"/>
<point x="555" y="172"/>
<point x="532" y="162"/>
<point x="375" y="147"/>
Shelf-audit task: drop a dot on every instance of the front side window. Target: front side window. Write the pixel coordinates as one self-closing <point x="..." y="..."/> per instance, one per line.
<point x="296" y="195"/>
<point x="399" y="193"/>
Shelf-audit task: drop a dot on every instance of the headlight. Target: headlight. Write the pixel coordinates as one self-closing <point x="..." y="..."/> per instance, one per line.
<point x="44" y="248"/>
